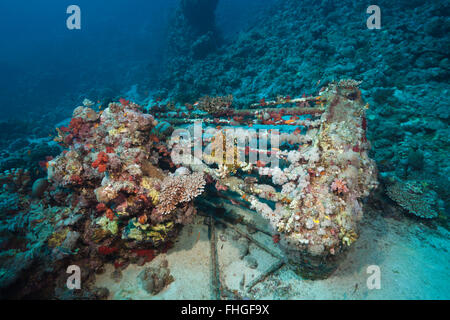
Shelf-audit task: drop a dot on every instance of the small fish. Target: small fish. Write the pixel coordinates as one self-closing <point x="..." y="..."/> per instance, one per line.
<point x="289" y="121"/>
<point x="316" y="221"/>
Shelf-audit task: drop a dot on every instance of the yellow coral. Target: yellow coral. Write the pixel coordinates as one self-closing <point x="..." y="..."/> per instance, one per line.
<point x="348" y="237"/>
<point x="114" y="132"/>
<point x="148" y="183"/>
<point x="58" y="238"/>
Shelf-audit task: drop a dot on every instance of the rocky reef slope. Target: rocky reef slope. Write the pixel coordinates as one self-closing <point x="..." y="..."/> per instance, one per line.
<point x="295" y="49"/>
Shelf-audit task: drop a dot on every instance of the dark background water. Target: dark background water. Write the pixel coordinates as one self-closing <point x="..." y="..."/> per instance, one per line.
<point x="44" y="65"/>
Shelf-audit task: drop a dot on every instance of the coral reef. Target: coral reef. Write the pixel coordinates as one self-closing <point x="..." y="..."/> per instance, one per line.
<point x="310" y="190"/>
<point x="113" y="156"/>
<point x="106" y="198"/>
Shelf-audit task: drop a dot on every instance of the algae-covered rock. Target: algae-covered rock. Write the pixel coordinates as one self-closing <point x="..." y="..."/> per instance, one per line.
<point x="155" y="278"/>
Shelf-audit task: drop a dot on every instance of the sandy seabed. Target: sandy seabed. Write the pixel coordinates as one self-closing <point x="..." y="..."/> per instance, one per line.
<point x="413" y="259"/>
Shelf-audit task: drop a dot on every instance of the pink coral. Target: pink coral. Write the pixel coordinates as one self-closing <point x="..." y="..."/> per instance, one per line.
<point x="339" y="186"/>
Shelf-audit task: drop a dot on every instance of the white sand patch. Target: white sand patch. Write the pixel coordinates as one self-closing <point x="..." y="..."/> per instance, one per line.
<point x="414" y="262"/>
<point x="189" y="264"/>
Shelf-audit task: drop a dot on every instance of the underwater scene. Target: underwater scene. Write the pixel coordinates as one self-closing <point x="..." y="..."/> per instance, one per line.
<point x="224" y="150"/>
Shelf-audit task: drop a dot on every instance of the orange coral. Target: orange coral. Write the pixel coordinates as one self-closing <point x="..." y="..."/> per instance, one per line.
<point x="100" y="162"/>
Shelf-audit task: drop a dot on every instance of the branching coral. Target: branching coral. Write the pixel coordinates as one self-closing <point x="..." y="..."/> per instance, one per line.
<point x="414" y="198"/>
<point x="339" y="186"/>
<point x="176" y="190"/>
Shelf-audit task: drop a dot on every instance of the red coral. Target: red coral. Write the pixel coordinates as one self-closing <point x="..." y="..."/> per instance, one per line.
<point x="124" y="102"/>
<point x="103" y="157"/>
<point x="75" y="125"/>
<point x="101" y="168"/>
<point x="101" y="162"/>
<point x="106" y="250"/>
<point x="101" y="207"/>
<point x="109" y="150"/>
<point x="76" y="179"/>
<point x="364" y="123"/>
<point x="109" y="214"/>
<point x="148" y="254"/>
